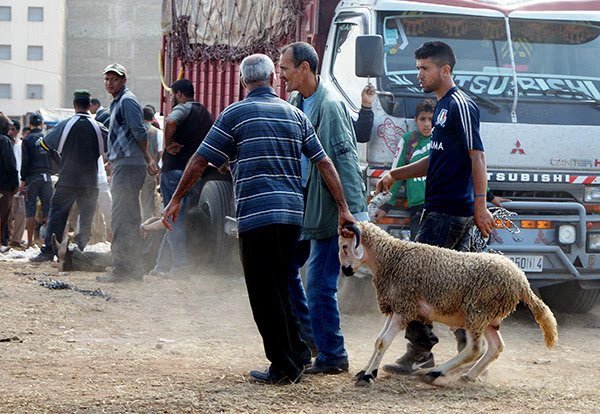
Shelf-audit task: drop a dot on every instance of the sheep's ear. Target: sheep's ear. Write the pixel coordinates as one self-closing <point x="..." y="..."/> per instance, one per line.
<point x="358" y="252"/>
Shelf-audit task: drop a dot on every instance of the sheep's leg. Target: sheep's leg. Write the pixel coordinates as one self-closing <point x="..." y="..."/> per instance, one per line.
<point x="468" y="354"/>
<point x="379" y="338"/>
<point x="495" y="348"/>
<point x="393" y="325"/>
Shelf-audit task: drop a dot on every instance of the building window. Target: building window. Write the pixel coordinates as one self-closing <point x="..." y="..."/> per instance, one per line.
<point x="5" y="91"/>
<point x="35" y="14"/>
<point x="35" y="52"/>
<point x="5" y="14"/>
<point x="35" y="91"/>
<point x="5" y="52"/>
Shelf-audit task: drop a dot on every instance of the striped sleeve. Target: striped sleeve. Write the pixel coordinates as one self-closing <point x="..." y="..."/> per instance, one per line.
<point x="218" y="145"/>
<point x="466" y="120"/>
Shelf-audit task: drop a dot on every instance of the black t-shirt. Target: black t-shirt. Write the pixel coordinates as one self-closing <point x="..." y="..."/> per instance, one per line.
<point x="190" y="132"/>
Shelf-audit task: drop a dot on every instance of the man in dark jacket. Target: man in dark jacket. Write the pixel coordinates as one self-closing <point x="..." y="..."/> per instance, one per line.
<point x="9" y="177"/>
<point x="35" y="175"/>
<point x="80" y="140"/>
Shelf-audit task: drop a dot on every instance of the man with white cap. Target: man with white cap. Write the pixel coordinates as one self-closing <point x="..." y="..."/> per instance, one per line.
<point x="128" y="157"/>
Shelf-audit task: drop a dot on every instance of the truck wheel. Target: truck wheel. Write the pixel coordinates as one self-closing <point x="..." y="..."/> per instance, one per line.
<point x="569" y="297"/>
<point x="216" y="202"/>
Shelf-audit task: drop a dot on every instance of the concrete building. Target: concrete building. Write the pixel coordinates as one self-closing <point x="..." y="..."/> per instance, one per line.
<point x="49" y="48"/>
<point x="32" y="55"/>
<point x="104" y="31"/>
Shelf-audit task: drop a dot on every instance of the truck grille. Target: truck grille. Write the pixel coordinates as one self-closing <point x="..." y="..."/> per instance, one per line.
<point x="517" y="195"/>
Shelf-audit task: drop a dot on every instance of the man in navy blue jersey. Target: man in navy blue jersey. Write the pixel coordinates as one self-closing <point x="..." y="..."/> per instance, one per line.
<point x="455" y="195"/>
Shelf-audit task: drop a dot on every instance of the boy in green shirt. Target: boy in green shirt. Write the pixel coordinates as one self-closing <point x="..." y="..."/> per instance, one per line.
<point x="415" y="145"/>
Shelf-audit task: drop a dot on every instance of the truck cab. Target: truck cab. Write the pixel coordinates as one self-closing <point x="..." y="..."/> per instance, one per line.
<point x="532" y="69"/>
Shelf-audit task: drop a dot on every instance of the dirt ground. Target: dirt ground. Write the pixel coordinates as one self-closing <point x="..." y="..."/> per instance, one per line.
<point x="186" y="346"/>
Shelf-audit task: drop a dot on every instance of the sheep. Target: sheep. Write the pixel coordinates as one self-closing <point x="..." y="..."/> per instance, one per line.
<point x="414" y="281"/>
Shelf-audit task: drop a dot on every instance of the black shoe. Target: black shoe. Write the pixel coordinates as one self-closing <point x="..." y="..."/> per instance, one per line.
<point x="42" y="257"/>
<point x="329" y="369"/>
<point x="410" y="362"/>
<point x="268" y="377"/>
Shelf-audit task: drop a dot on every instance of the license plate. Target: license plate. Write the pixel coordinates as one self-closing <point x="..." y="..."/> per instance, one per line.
<point x="528" y="263"/>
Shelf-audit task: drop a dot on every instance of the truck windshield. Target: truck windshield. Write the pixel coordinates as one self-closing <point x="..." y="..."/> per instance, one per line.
<point x="556" y="63"/>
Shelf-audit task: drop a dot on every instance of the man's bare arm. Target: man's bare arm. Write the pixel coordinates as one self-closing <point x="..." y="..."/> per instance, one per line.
<point x="416" y="169"/>
<point x="482" y="217"/>
<point x="192" y="173"/>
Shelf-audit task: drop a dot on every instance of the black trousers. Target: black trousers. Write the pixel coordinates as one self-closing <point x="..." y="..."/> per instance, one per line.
<point x="62" y="200"/>
<point x="266" y="255"/>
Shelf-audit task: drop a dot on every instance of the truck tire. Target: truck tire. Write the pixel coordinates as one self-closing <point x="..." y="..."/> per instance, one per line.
<point x="216" y="202"/>
<point x="569" y="297"/>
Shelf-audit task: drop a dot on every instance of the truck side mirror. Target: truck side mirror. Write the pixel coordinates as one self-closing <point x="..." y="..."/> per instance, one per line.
<point x="369" y="56"/>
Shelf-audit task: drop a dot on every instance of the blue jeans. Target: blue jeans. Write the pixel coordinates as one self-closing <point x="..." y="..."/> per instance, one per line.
<point x="443" y="230"/>
<point x="172" y="253"/>
<point x="321" y="292"/>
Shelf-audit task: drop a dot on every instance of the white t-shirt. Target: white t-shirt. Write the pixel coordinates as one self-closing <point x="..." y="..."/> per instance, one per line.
<point x="17" y="149"/>
<point x="102" y="178"/>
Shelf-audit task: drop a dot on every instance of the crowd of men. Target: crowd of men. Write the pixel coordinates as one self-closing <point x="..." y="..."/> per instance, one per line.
<point x="297" y="184"/>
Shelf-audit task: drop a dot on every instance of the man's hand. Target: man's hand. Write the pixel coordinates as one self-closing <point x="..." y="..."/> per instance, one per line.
<point x="497" y="201"/>
<point x="379" y="214"/>
<point x="171" y="212"/>
<point x="484" y="221"/>
<point x="345" y="217"/>
<point x="152" y="168"/>
<point x="385" y="183"/>
<point x="368" y="95"/>
<point x="173" y="148"/>
<point x="23" y="188"/>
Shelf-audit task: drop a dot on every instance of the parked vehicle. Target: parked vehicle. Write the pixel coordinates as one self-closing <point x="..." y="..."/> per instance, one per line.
<point x="531" y="68"/>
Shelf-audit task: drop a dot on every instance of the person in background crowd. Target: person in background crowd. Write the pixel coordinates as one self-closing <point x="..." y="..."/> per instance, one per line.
<point x="154" y="122"/>
<point x="35" y="176"/>
<point x="333" y="124"/>
<point x="129" y="158"/>
<point x="148" y="194"/>
<point x="80" y="141"/>
<point x="9" y="176"/>
<point x="364" y="123"/>
<point x="26" y="132"/>
<point x="102" y="113"/>
<point x="16" y="222"/>
<point x="185" y="128"/>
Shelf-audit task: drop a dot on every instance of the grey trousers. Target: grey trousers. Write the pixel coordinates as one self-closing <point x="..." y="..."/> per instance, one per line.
<point x="126" y="247"/>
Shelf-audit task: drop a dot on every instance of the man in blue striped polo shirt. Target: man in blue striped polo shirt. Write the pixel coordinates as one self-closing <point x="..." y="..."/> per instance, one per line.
<point x="263" y="138"/>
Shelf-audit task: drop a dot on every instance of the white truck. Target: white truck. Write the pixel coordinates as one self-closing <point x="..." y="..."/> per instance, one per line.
<point x="532" y="67"/>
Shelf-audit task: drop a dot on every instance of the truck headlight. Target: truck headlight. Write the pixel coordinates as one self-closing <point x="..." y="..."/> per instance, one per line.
<point x="567" y="234"/>
<point x="593" y="242"/>
<point x="591" y="194"/>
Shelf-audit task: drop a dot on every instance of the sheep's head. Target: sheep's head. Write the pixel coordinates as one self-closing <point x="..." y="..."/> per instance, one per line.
<point x="351" y="251"/>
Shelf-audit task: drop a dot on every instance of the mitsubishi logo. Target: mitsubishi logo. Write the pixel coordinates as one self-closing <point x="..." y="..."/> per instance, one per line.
<point x="517" y="149"/>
